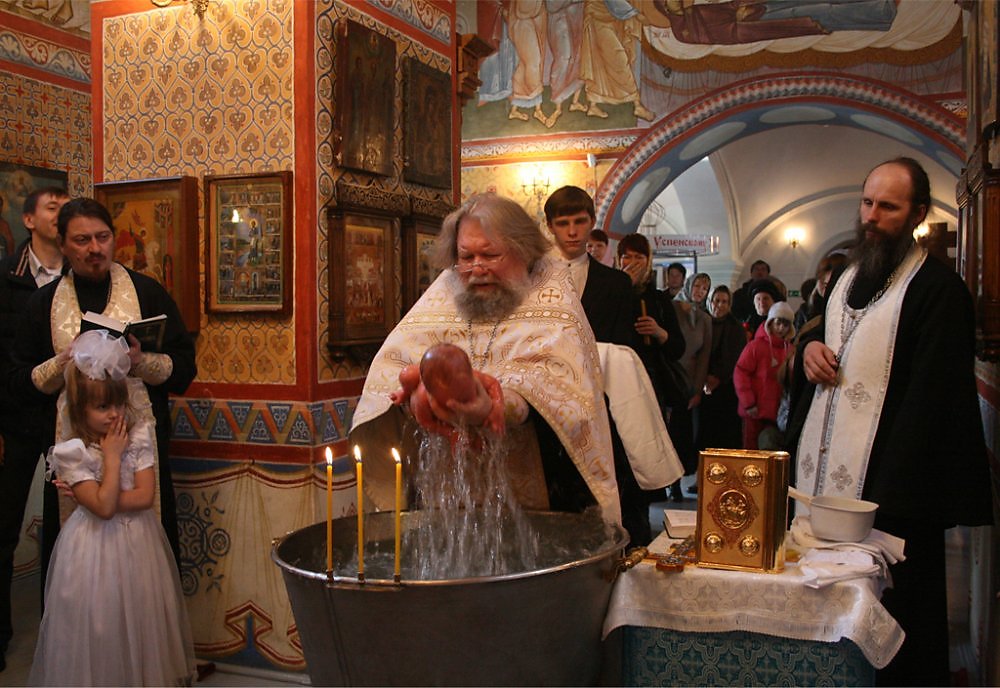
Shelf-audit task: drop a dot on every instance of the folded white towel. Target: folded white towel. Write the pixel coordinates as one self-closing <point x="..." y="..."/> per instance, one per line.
<point x="822" y="567"/>
<point x="826" y="562"/>
<point x="878" y="542"/>
<point x="633" y="406"/>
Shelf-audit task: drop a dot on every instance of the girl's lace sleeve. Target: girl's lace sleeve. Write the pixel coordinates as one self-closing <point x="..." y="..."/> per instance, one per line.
<point x="71" y="462"/>
<point x="139" y="452"/>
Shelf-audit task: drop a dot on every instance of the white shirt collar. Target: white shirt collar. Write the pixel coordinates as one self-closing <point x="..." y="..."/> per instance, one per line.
<point x="578" y="268"/>
<point x="42" y="274"/>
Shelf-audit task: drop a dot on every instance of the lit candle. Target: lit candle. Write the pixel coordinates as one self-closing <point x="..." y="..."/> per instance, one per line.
<point x="361" y="521"/>
<point x="399" y="506"/>
<point x="329" y="509"/>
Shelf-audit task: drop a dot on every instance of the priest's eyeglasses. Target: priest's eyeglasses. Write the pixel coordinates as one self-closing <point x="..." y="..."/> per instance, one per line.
<point x="467" y="264"/>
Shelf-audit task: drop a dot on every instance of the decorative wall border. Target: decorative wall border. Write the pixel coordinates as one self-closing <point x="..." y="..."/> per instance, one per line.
<point x="489" y="151"/>
<point x="263" y="423"/>
<point x="419" y="14"/>
<point x="45" y="55"/>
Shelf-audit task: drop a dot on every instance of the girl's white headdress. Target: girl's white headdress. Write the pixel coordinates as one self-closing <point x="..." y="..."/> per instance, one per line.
<point x="98" y="355"/>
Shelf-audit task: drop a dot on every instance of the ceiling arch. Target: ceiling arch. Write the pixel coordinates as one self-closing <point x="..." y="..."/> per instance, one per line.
<point x="759" y="105"/>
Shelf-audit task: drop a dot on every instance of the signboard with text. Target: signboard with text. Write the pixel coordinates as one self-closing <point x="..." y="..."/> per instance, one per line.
<point x="685" y="244"/>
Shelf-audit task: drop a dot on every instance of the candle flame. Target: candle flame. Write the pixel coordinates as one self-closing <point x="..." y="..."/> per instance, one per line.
<point x="329" y="457"/>
<point x="357" y="453"/>
<point x="395" y="456"/>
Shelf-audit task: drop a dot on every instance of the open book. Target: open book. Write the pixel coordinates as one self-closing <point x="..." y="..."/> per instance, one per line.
<point x="149" y="331"/>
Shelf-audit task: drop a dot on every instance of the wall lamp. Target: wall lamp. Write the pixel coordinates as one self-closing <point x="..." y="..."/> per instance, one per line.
<point x="794" y="236"/>
<point x="199" y="6"/>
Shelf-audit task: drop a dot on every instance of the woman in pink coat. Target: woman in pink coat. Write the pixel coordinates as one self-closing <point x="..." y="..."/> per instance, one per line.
<point x="756" y="373"/>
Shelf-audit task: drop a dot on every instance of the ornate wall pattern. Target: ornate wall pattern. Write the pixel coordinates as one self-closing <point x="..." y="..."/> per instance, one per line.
<point x="421" y="15"/>
<point x="46" y="125"/>
<point x="183" y="96"/>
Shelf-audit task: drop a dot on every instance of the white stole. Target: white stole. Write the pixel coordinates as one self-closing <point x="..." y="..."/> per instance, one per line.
<point x="840" y="428"/>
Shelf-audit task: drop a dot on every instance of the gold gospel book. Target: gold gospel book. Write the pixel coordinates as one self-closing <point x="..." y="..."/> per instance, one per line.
<point x="742" y="509"/>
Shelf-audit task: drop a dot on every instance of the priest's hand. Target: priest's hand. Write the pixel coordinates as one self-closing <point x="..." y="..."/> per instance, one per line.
<point x="134" y="350"/>
<point x="820" y="364"/>
<point x="413" y="393"/>
<point x="485" y="409"/>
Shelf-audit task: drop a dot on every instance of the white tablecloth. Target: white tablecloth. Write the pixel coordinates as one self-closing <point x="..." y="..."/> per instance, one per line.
<point x="712" y="601"/>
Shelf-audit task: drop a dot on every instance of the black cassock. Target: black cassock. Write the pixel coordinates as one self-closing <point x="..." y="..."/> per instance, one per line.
<point x="928" y="469"/>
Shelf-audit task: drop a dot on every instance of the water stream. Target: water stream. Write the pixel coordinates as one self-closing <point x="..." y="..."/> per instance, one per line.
<point x="480" y="529"/>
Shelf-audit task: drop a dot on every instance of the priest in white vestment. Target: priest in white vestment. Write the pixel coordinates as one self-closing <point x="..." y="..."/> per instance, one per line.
<point x="894" y="417"/>
<point x="504" y="302"/>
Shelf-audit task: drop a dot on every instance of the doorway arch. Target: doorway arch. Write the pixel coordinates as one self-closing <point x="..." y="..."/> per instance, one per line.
<point x="747" y="107"/>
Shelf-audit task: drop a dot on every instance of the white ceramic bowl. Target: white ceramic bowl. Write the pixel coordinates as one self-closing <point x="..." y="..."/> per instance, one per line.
<point x="841" y="519"/>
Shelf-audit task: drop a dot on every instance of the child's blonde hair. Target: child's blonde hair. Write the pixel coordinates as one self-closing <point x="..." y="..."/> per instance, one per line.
<point x="82" y="391"/>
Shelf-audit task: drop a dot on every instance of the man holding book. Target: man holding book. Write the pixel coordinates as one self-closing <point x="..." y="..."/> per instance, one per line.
<point x="97" y="284"/>
<point x="35" y="263"/>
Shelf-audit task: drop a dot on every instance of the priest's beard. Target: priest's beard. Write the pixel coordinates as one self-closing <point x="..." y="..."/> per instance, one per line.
<point x="492" y="305"/>
<point x="878" y="256"/>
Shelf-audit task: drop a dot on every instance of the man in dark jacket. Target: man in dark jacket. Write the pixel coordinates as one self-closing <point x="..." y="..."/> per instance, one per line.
<point x="606" y="295"/>
<point x="742" y="298"/>
<point x="96" y="283"/>
<point x="35" y="263"/>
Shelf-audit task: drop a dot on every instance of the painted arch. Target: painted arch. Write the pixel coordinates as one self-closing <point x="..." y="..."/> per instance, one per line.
<point x="744" y="108"/>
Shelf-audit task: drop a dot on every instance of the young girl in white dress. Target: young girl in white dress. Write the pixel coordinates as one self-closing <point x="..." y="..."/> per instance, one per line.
<point x="114" y="611"/>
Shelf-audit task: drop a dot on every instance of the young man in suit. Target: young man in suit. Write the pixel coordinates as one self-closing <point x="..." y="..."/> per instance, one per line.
<point x="610" y="307"/>
<point x="606" y="293"/>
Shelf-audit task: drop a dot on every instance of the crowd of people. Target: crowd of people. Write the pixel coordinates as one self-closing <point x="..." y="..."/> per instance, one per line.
<point x="728" y="369"/>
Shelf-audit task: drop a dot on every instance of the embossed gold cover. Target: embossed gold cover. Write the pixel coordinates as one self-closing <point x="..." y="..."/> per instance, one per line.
<point x="742" y="505"/>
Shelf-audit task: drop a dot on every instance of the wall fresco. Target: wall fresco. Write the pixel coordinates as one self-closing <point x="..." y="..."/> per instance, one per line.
<point x="68" y="15"/>
<point x="618" y="64"/>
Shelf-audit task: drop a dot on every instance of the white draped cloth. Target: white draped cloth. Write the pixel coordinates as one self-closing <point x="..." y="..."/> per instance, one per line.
<point x="702" y="600"/>
<point x="633" y="406"/>
<point x="544" y="351"/>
